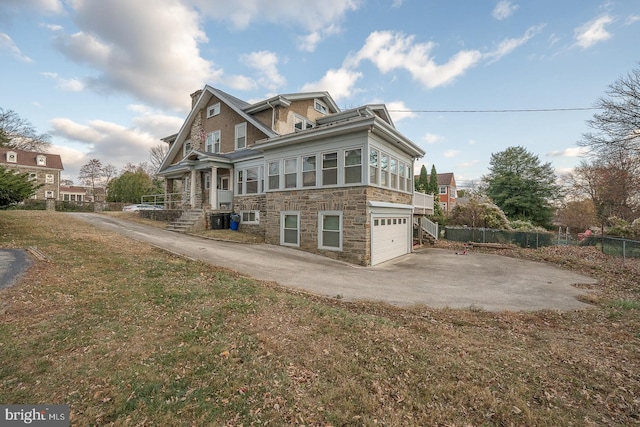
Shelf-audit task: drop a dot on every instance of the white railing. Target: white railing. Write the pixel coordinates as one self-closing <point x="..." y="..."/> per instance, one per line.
<point x="430" y="227"/>
<point x="422" y="203"/>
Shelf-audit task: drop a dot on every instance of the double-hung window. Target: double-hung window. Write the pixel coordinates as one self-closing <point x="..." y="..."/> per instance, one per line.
<point x="373" y="166"/>
<point x="290" y="173"/>
<point x="443" y="189"/>
<point x="309" y="171"/>
<point x="394" y="173"/>
<point x="290" y="228"/>
<point x="274" y="175"/>
<point x="49" y="179"/>
<point x="252" y="181"/>
<point x="330" y="230"/>
<point x="330" y="169"/>
<point x="212" y="144"/>
<point x="401" y="174"/>
<point x="384" y="170"/>
<point x="213" y="110"/>
<point x="241" y="135"/>
<point x="186" y="147"/>
<point x="353" y="166"/>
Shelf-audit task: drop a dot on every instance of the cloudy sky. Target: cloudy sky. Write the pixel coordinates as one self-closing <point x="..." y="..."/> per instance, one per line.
<point x="107" y="79"/>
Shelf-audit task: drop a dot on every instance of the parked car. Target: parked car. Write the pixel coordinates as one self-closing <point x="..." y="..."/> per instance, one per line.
<point x="141" y="207"/>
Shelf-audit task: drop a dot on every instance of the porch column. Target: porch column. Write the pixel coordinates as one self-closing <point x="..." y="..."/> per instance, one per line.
<point x="232" y="181"/>
<point x="193" y="189"/>
<point x="213" y="188"/>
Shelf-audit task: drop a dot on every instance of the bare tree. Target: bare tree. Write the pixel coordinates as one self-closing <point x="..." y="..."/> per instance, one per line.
<point x="18" y="133"/>
<point x="92" y="174"/>
<point x="157" y="155"/>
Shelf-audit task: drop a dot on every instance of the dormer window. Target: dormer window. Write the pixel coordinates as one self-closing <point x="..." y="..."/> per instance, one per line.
<point x="12" y="157"/>
<point x="320" y="106"/>
<point x="213" y="110"/>
<point x="41" y="160"/>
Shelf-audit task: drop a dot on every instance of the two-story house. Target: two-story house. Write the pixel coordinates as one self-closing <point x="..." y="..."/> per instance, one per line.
<point x="299" y="171"/>
<point x="447" y="191"/>
<point x="42" y="168"/>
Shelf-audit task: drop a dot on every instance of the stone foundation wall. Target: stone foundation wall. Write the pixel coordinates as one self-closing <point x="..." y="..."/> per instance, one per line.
<point x="352" y="202"/>
<point x="257" y="202"/>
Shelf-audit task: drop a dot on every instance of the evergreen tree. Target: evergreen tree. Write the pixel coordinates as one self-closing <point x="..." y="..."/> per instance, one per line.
<point x="422" y="182"/>
<point x="433" y="187"/>
<point x="15" y="187"/>
<point x="521" y="186"/>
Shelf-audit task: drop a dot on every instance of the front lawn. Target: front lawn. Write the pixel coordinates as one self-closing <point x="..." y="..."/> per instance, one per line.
<point x="127" y="334"/>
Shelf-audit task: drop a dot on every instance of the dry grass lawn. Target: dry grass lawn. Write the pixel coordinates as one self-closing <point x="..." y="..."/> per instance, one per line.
<point x="129" y="335"/>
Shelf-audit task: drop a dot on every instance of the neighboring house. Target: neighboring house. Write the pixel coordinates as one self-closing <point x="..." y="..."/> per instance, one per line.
<point x="42" y="168"/>
<point x="447" y="191"/>
<point x="74" y="193"/>
<point x="298" y="171"/>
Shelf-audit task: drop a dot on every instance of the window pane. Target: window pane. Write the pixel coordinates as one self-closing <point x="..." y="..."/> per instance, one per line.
<point x="290" y="166"/>
<point x="330" y="177"/>
<point x="309" y="163"/>
<point x="353" y="175"/>
<point x="291" y="236"/>
<point x="330" y="160"/>
<point x="353" y="157"/>
<point x="291" y="221"/>
<point x="274" y="168"/>
<point x="331" y="238"/>
<point x="331" y="222"/>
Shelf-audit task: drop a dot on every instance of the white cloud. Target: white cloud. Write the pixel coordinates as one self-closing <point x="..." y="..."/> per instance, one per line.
<point x="391" y="50"/>
<point x="68" y="85"/>
<point x="569" y="152"/>
<point x="432" y="138"/>
<point x="509" y="45"/>
<point x="469" y="164"/>
<point x="472" y="142"/>
<point x="504" y="9"/>
<point x="266" y="64"/>
<point x="7" y="43"/>
<point x="102" y="140"/>
<point x="399" y="111"/>
<point x="339" y="83"/>
<point x="151" y="53"/>
<point x="632" y="19"/>
<point x="593" y="32"/>
<point x="451" y="153"/>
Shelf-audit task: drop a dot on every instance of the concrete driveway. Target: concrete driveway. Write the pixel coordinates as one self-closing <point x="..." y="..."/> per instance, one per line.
<point x="432" y="277"/>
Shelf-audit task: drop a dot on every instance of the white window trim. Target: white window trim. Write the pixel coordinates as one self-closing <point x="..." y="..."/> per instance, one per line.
<point x="12" y="157"/>
<point x="306" y="123"/>
<point x="282" y="215"/>
<point x="235" y="139"/>
<point x="212" y="135"/>
<point x="185" y="151"/>
<point x="256" y="216"/>
<point x="213" y="110"/>
<point x="323" y="107"/>
<point x="321" y="215"/>
<point x="41" y="160"/>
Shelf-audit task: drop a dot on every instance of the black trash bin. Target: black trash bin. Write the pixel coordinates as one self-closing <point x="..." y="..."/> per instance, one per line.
<point x="226" y="220"/>
<point x="216" y="221"/>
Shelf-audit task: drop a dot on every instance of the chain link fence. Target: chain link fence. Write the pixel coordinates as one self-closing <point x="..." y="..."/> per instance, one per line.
<point x="625" y="248"/>
<point x="524" y="239"/>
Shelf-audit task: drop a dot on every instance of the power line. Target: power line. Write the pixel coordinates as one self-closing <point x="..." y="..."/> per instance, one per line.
<point x="524" y="110"/>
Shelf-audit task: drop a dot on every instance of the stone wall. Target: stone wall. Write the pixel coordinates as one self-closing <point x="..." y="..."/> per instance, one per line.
<point x="256" y="202"/>
<point x="351" y="201"/>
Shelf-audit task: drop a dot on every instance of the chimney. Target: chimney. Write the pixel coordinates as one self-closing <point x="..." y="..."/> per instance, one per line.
<point x="194" y="97"/>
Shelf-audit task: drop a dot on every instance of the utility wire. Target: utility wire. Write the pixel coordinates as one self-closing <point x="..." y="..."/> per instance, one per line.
<point x="526" y="110"/>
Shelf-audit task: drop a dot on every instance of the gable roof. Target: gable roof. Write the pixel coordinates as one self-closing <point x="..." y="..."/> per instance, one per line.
<point x="29" y="159"/>
<point x="208" y="92"/>
<point x="444" y="178"/>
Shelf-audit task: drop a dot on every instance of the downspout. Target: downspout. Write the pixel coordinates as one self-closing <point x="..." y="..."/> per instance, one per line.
<point x="273" y="115"/>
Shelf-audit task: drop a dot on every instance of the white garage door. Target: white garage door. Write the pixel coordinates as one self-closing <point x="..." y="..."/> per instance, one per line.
<point x="390" y="237"/>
